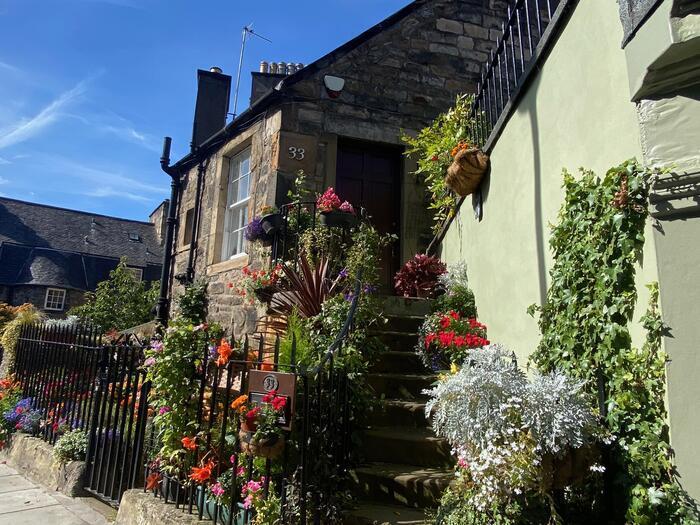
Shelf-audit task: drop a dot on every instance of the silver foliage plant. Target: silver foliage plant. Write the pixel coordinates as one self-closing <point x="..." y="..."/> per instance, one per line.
<point x="501" y="425"/>
<point x="456" y="276"/>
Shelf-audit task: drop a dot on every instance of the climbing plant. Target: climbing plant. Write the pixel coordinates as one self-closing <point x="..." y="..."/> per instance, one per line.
<point x="434" y="149"/>
<point x="584" y="324"/>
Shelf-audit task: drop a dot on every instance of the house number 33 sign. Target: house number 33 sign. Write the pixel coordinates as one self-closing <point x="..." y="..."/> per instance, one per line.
<point x="296" y="153"/>
<point x="260" y="382"/>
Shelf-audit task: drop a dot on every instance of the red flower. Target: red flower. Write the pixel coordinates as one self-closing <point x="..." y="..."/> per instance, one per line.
<point x="153" y="480"/>
<point x="224" y="350"/>
<point x="189" y="443"/>
<point x="202" y="474"/>
<point x="252" y="415"/>
<point x="269" y="396"/>
<point x="445" y="322"/>
<point x="278" y="403"/>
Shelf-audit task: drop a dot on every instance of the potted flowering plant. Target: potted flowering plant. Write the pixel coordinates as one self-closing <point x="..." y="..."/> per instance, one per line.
<point x="271" y="220"/>
<point x="334" y="212"/>
<point x="260" y="284"/>
<point x="447" y="338"/>
<point x="419" y="276"/>
<point x="260" y="433"/>
<point x="255" y="232"/>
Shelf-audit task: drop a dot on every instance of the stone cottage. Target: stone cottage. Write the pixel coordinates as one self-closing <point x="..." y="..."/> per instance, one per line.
<point x="339" y="119"/>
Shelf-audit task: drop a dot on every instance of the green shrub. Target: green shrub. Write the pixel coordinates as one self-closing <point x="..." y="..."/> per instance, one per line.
<point x="71" y="446"/>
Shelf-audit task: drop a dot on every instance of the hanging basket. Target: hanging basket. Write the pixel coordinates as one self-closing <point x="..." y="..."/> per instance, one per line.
<point x="467" y="170"/>
<point x="270" y="448"/>
<point x="271" y="223"/>
<point x="569" y="469"/>
<point x="264" y="294"/>
<point x="338" y="219"/>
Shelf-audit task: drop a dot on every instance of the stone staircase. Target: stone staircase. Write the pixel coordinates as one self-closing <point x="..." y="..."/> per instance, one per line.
<point x="406" y="466"/>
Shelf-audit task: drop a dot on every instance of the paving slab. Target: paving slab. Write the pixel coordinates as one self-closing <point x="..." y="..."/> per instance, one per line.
<point x="14" y="482"/>
<point x="12" y="502"/>
<point x="6" y="471"/>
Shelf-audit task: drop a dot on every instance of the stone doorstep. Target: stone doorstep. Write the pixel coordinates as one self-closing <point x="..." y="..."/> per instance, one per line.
<point x="140" y="508"/>
<point x="33" y="458"/>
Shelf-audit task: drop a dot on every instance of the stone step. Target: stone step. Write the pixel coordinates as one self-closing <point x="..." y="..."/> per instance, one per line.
<point x="401" y="306"/>
<point x="392" y="361"/>
<point x="399" y="413"/>
<point x="410" y="446"/>
<point x="397" y="340"/>
<point x="404" y="323"/>
<point x="400" y="386"/>
<point x="401" y="484"/>
<point x="370" y="513"/>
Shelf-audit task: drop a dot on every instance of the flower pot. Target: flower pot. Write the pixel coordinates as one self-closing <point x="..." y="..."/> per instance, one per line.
<point x="338" y="219"/>
<point x="264" y="294"/>
<point x="270" y="448"/>
<point x="271" y="223"/>
<point x="467" y="170"/>
<point x="209" y="510"/>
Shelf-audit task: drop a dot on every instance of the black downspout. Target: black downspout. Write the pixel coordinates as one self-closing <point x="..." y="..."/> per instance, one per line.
<point x="189" y="273"/>
<point x="162" y="306"/>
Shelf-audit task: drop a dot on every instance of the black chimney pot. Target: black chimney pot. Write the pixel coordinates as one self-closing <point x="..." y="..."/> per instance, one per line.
<point x="213" y="94"/>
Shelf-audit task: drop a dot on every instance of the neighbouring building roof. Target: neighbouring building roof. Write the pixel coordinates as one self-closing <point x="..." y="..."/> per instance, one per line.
<point x="46" y="245"/>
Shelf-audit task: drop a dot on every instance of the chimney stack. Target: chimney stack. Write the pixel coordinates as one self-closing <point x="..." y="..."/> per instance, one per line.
<point x="211" y="109"/>
<point x="269" y="76"/>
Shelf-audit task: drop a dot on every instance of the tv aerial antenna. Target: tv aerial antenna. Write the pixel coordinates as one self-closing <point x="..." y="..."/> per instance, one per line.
<point x="247" y="30"/>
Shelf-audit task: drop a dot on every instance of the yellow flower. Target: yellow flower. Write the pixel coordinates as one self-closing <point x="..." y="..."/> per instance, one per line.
<point x="454" y="368"/>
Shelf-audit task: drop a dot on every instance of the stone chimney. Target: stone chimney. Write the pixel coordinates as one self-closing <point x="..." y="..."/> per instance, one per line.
<point x="269" y="76"/>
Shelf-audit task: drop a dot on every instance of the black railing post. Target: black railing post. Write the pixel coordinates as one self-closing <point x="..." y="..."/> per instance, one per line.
<point x="100" y="386"/>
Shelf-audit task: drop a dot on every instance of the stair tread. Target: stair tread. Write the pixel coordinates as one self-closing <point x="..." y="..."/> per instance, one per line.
<point x="385" y="514"/>
<point x="401" y="471"/>
<point x="404" y="433"/>
<point x="395" y="375"/>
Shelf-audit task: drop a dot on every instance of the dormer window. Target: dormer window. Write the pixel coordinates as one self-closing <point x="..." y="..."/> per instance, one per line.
<point x="134" y="237"/>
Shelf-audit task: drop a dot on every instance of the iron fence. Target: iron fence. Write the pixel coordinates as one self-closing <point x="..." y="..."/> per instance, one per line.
<point x="74" y="381"/>
<point x="509" y="62"/>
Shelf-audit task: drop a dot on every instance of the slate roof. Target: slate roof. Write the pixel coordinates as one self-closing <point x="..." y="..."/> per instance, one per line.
<point x="45" y="245"/>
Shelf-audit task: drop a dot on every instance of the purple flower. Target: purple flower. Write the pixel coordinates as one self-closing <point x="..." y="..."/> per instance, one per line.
<point x="368" y="288"/>
<point x="150" y="361"/>
<point x="349" y="296"/>
<point x="254" y="230"/>
<point x="157" y="346"/>
<point x="164" y="410"/>
<point x="344" y="273"/>
<point x="213" y="354"/>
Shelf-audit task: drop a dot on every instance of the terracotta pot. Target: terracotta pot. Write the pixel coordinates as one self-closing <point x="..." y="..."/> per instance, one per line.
<point x="270" y="449"/>
<point x="467" y="170"/>
<point x="338" y="219"/>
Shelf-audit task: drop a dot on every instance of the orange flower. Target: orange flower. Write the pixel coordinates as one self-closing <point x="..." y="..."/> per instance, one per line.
<point x="153" y="480"/>
<point x="224" y="350"/>
<point x="267" y="367"/>
<point x="239" y="403"/>
<point x="202" y="474"/>
<point x="189" y="443"/>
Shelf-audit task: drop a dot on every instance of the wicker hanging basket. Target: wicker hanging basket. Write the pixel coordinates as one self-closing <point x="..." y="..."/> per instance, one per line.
<point x="467" y="170"/>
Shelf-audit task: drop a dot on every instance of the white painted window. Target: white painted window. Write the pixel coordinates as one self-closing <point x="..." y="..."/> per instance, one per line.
<point x="55" y="299"/>
<point x="237" y="197"/>
<point x="136" y="272"/>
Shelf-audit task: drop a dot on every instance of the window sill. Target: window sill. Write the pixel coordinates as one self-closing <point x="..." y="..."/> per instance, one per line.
<point x="235" y="263"/>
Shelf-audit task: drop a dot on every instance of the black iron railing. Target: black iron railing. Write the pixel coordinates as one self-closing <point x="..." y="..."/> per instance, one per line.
<point x="509" y="62"/>
<point x="75" y="381"/>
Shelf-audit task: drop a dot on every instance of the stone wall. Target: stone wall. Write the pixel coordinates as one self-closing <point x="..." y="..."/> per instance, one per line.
<point x="36" y="295"/>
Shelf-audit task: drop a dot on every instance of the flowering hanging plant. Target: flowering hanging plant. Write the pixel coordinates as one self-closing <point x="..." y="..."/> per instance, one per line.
<point x="446" y="338"/>
<point x="261" y="419"/>
<point x="254" y="231"/>
<point x="329" y="201"/>
<point x="419" y="276"/>
<point x="252" y="281"/>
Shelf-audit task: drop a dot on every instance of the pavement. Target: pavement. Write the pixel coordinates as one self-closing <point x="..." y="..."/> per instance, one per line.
<point x="25" y="503"/>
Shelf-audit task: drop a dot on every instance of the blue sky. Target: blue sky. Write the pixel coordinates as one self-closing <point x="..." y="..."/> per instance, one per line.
<point x="88" y="88"/>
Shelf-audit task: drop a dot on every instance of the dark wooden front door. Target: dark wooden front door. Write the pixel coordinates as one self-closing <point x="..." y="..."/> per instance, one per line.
<point x="368" y="175"/>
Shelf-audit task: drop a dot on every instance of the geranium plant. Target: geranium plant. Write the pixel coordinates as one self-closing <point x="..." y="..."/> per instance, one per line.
<point x="252" y="282"/>
<point x="261" y="419"/>
<point x="419" y="276"/>
<point x="447" y="338"/>
<point x="328" y="201"/>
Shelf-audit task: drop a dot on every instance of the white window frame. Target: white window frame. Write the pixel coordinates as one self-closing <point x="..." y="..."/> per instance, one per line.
<point x="47" y="304"/>
<point x="233" y="244"/>
<point x="137" y="272"/>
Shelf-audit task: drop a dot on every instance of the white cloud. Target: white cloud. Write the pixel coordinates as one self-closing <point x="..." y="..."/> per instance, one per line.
<point x="3" y="180"/>
<point x="111" y="192"/>
<point x="4" y="161"/>
<point x="28" y="128"/>
<point x="9" y="67"/>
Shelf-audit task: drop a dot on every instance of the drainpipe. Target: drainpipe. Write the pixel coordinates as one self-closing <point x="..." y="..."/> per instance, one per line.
<point x="189" y="273"/>
<point x="171" y="221"/>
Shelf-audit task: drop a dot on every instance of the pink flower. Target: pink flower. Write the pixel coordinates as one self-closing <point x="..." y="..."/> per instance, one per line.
<point x="232" y="459"/>
<point x="217" y="490"/>
<point x="150" y="361"/>
<point x="164" y="410"/>
<point x="347" y="208"/>
<point x="157" y="346"/>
